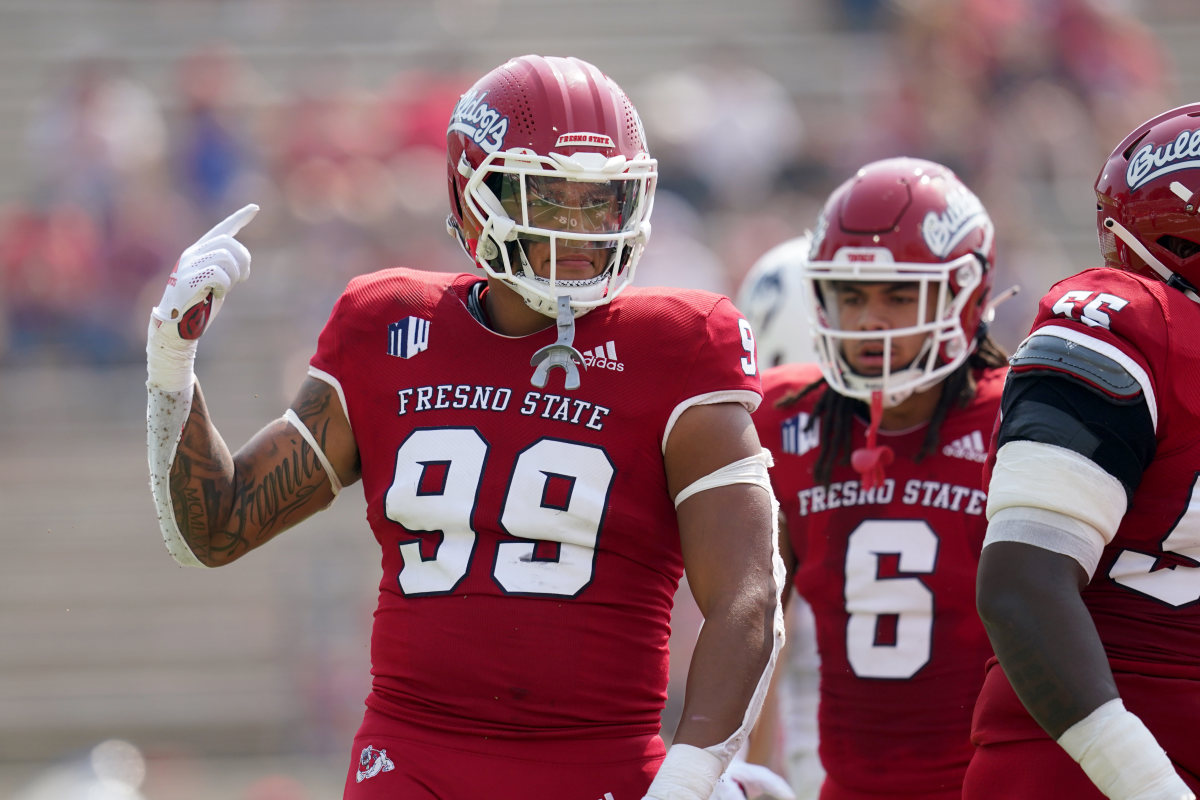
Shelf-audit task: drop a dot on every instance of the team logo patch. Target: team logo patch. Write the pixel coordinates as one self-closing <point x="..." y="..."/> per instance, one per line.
<point x="371" y="762"/>
<point x="408" y="337"/>
<point x="797" y="438"/>
<point x="1151" y="162"/>
<point x="964" y="213"/>
<point x="473" y="117"/>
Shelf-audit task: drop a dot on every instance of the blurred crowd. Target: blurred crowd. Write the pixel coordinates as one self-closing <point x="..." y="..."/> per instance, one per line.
<point x="1023" y="98"/>
<point x="1019" y="96"/>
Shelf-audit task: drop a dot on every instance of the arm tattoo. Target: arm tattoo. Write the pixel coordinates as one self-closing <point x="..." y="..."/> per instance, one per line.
<point x="227" y="505"/>
<point x="273" y="500"/>
<point x="313" y="401"/>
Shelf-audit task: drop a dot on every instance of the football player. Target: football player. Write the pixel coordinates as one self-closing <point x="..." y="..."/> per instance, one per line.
<point x="544" y="449"/>
<point x="785" y="736"/>
<point x="879" y="451"/>
<point x="1089" y="581"/>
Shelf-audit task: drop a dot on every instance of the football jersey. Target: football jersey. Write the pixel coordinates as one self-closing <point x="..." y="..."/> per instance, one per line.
<point x="530" y="546"/>
<point x="1145" y="594"/>
<point x="890" y="576"/>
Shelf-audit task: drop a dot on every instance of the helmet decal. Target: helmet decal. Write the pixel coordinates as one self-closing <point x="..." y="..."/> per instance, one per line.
<point x="964" y="213"/>
<point x="476" y="119"/>
<point x="585" y="140"/>
<point x="1151" y="162"/>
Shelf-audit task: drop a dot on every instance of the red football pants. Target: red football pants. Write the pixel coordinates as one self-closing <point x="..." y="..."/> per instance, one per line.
<point x="394" y="761"/>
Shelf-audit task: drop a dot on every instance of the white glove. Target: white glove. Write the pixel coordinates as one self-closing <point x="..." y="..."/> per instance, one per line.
<point x="746" y="781"/>
<point x="204" y="274"/>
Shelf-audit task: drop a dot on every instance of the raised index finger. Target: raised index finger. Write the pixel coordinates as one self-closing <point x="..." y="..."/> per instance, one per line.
<point x="233" y="223"/>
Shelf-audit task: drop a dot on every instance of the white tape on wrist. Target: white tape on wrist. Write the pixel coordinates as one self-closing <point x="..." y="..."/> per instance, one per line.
<point x="170" y="361"/>
<point x="166" y="412"/>
<point x="687" y="773"/>
<point x="1121" y="756"/>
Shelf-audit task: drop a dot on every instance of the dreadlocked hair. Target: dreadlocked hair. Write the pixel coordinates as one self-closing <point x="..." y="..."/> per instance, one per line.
<point x="836" y="412"/>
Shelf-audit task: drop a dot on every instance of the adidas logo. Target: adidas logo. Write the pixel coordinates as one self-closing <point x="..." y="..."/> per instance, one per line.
<point x="970" y="447"/>
<point x="603" y="357"/>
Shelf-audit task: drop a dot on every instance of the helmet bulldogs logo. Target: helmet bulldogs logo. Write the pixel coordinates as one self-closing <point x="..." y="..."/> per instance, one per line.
<point x="372" y="762"/>
<point x="475" y="118"/>
<point x="942" y="232"/>
<point x="1150" y="162"/>
<point x="603" y="357"/>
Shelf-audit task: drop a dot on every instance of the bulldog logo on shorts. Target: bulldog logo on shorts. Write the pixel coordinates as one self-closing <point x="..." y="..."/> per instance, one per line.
<point x="371" y="762"/>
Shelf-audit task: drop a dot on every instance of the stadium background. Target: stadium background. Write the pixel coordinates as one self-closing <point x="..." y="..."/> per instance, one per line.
<point x="128" y="127"/>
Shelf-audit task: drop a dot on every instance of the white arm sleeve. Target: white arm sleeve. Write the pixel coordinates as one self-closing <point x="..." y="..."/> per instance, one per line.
<point x="1049" y="530"/>
<point x="753" y="470"/>
<point x="726" y="750"/>
<point x="165" y="414"/>
<point x="688" y="772"/>
<point x="1053" y="498"/>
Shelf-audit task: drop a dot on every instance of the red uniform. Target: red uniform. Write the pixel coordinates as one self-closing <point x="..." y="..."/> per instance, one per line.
<point x="1145" y="594"/>
<point x="890" y="575"/>
<point x="530" y="546"/>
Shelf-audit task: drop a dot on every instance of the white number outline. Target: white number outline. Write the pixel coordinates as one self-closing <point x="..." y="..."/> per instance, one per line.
<point x="1092" y="314"/>
<point x="575" y="528"/>
<point x="867" y="597"/>
<point x="1176" y="585"/>
<point x="749" y="365"/>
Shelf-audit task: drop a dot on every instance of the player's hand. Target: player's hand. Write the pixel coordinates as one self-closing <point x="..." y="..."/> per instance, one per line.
<point x="746" y="781"/>
<point x="203" y="276"/>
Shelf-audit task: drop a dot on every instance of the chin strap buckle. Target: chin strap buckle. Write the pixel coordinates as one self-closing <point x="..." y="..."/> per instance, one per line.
<point x="560" y="354"/>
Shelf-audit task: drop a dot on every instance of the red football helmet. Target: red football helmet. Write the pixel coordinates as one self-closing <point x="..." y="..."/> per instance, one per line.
<point x="1147" y="196"/>
<point x="548" y="149"/>
<point x="902" y="220"/>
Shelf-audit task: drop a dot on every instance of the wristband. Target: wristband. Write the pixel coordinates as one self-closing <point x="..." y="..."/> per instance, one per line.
<point x="687" y="773"/>
<point x="170" y="360"/>
<point x="1121" y="756"/>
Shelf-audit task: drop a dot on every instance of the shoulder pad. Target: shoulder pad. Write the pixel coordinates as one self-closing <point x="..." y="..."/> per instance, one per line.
<point x="1048" y="353"/>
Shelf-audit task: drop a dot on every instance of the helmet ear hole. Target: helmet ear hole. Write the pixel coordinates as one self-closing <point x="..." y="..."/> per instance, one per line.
<point x="1128" y="151"/>
<point x="1179" y="246"/>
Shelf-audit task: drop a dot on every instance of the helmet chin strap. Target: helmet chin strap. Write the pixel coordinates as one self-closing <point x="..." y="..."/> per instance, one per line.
<point x="562" y="353"/>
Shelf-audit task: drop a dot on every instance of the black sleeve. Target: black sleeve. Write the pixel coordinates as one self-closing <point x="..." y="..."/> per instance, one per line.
<point x="1053" y="408"/>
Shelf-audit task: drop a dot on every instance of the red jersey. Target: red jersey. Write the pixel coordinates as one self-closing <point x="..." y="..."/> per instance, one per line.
<point x="890" y="576"/>
<point x="530" y="546"/>
<point x="1145" y="594"/>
